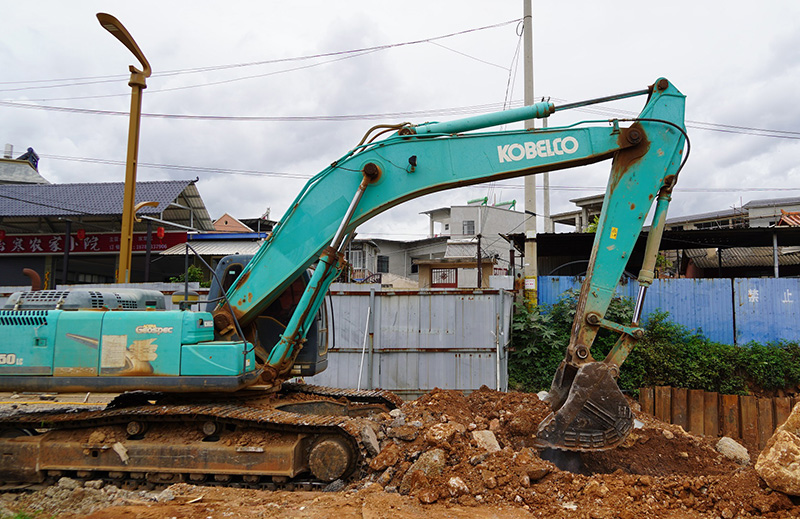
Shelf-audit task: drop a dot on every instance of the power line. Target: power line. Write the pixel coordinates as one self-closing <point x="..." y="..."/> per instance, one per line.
<point x="302" y="176"/>
<point x="464" y="110"/>
<point x="453" y="111"/>
<point x="501" y="67"/>
<point x="70" y="82"/>
<point x="180" y="167"/>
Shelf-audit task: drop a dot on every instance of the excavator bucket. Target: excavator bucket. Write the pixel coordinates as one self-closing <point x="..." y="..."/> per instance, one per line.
<point x="589" y="411"/>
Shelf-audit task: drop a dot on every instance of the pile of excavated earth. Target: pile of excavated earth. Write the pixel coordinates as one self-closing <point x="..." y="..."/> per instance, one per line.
<point x="447" y="454"/>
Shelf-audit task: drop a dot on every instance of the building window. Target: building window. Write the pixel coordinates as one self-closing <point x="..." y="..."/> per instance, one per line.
<point x="414" y="268"/>
<point x="383" y="264"/>
<point x="356" y="259"/>
<point x="468" y="227"/>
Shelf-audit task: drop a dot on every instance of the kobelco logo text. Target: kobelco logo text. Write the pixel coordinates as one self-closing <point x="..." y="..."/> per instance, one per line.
<point x="152" y="328"/>
<point x="542" y="148"/>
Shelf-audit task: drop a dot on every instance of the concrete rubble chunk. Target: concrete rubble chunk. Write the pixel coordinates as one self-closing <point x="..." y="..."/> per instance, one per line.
<point x="430" y="463"/>
<point x="386" y="458"/>
<point x="370" y="440"/>
<point x="733" y="450"/>
<point x="68" y="483"/>
<point x="457" y="487"/>
<point x="428" y="496"/>
<point x="334" y="486"/>
<point x="386" y="477"/>
<point x="441" y="433"/>
<point x="779" y="463"/>
<point x="486" y="440"/>
<point x="403" y="432"/>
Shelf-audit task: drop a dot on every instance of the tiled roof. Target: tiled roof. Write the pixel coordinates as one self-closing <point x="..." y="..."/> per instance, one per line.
<point x="47" y="207"/>
<point x="789" y="219"/>
<point x="84" y="199"/>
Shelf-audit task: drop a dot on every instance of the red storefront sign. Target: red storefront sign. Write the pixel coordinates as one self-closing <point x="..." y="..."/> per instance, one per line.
<point x="92" y="243"/>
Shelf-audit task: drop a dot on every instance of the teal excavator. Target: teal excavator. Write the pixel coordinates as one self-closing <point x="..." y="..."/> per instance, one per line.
<point x="204" y="394"/>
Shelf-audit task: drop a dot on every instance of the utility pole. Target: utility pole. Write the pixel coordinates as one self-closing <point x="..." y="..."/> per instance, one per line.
<point x="480" y="264"/>
<point x="531" y="256"/>
<point x="548" y="222"/>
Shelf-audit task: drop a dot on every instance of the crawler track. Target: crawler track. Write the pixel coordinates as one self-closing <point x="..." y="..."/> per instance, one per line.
<point x="304" y="435"/>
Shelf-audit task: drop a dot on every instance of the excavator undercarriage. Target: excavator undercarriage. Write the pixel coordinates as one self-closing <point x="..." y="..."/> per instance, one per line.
<point x="303" y="435"/>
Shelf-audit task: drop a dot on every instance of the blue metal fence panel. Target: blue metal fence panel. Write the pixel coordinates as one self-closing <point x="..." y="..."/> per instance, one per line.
<point x="767" y="309"/>
<point x="704" y="305"/>
<point x="551" y="288"/>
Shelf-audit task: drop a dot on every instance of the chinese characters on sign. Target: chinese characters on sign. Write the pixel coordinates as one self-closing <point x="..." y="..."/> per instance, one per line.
<point x="752" y="296"/>
<point x="91" y="243"/>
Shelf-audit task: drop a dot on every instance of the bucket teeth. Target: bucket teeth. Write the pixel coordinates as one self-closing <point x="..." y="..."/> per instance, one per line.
<point x="594" y="416"/>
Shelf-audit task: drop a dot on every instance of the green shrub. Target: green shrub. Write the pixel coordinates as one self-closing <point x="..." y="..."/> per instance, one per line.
<point x="669" y="354"/>
<point x="195" y="275"/>
<point x="539" y="339"/>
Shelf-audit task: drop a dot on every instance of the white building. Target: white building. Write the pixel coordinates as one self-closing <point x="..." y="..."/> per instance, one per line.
<point x="449" y="251"/>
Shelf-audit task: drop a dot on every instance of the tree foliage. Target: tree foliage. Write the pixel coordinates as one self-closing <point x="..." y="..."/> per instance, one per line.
<point x="669" y="354"/>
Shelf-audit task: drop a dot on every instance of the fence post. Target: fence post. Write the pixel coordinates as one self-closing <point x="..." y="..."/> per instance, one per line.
<point x="710" y="413"/>
<point x="679" y="401"/>
<point x="730" y="416"/>
<point x="696" y="408"/>
<point x="765" y="421"/>
<point x="749" y="417"/>
<point x="663" y="403"/>
<point x="646" y="400"/>
<point x="783" y="407"/>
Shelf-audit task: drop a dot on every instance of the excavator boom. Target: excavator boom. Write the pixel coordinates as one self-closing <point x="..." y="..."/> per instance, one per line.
<point x="417" y="160"/>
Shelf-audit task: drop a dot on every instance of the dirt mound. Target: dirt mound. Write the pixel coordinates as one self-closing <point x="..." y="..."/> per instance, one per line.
<point x="658" y="469"/>
<point x="447" y="454"/>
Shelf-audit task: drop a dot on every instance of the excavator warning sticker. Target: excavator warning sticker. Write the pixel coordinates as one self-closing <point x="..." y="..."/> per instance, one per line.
<point x="614" y="231"/>
<point x="113" y="351"/>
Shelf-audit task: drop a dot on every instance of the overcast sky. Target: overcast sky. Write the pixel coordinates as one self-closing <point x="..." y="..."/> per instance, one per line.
<point x="737" y="62"/>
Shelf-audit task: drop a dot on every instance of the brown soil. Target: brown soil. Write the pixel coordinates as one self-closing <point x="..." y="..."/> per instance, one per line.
<point x="660" y="471"/>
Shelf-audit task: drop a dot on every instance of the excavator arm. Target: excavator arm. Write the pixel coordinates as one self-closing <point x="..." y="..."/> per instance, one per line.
<point x="417" y="160"/>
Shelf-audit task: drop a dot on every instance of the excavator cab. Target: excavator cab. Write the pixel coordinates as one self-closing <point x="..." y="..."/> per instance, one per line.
<point x="266" y="329"/>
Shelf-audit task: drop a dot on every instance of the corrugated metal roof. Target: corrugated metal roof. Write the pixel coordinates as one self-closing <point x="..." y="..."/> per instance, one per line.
<point x="772" y="202"/>
<point x="216" y="248"/>
<point x="461" y="250"/>
<point x="744" y="257"/>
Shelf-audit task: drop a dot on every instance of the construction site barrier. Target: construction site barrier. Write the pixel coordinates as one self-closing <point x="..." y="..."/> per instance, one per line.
<point x="748" y="418"/>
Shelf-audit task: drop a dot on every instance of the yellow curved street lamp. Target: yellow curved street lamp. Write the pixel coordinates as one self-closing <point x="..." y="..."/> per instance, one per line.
<point x="137" y="84"/>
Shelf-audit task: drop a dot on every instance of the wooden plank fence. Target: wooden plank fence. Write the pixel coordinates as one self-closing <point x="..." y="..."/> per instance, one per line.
<point x="746" y="418"/>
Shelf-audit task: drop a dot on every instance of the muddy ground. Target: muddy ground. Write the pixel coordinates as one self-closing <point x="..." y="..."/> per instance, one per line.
<point x="430" y="464"/>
